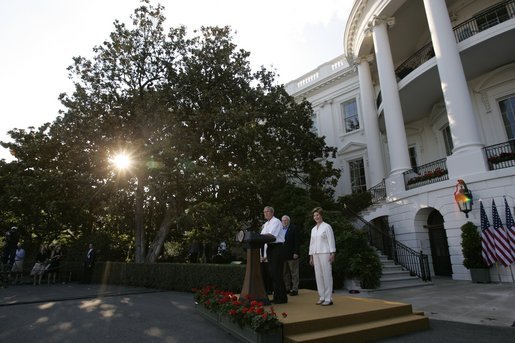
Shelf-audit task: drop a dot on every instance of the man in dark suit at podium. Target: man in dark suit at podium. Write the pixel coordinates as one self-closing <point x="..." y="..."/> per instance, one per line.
<point x="275" y="254"/>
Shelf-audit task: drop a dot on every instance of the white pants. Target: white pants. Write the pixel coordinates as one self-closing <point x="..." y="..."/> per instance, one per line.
<point x="323" y="276"/>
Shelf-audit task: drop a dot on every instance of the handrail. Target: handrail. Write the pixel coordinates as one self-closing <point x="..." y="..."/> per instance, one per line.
<point x="378" y="192"/>
<point x="417" y="263"/>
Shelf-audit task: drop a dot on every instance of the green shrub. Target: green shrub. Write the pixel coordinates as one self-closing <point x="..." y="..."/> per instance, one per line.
<point x="471" y="246"/>
<point x="171" y="276"/>
<point x="355" y="259"/>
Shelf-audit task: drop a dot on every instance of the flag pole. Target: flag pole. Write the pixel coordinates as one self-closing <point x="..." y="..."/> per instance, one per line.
<point x="498" y="272"/>
<point x="505" y="229"/>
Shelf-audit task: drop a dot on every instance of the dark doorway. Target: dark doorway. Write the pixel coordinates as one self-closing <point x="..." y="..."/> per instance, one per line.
<point x="439" y="246"/>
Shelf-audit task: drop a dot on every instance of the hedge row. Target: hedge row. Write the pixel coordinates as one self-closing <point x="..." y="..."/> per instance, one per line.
<point x="169" y="276"/>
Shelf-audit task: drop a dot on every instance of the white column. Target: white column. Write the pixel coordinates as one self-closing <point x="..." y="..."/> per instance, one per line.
<point x="370" y="124"/>
<point x="460" y="111"/>
<point x="397" y="142"/>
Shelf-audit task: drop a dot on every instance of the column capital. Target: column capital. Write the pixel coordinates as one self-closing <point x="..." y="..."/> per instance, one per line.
<point x="376" y="21"/>
<point x="368" y="58"/>
<point x="326" y="102"/>
<point x="356" y="61"/>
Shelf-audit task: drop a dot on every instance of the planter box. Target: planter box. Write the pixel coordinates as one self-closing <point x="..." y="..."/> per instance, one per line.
<point x="246" y="334"/>
<point x="480" y="275"/>
<point x="352" y="285"/>
<point x="212" y="317"/>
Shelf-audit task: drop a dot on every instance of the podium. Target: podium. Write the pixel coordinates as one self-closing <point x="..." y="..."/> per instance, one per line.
<point x="253" y="285"/>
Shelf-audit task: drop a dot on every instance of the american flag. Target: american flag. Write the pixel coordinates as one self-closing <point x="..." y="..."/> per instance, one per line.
<point x="487" y="238"/>
<point x="502" y="244"/>
<point x="510" y="225"/>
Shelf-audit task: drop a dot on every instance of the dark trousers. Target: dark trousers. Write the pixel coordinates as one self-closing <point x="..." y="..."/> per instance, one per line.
<point x="276" y="258"/>
<point x="267" y="279"/>
<point x="88" y="273"/>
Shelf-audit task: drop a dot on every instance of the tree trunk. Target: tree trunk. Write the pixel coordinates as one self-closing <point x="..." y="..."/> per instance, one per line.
<point x="139" y="224"/>
<point x="157" y="245"/>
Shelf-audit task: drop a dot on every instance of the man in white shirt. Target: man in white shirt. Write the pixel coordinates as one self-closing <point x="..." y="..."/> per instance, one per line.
<point x="275" y="254"/>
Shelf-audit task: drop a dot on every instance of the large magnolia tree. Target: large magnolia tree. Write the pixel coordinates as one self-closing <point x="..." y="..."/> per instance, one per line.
<point x="210" y="140"/>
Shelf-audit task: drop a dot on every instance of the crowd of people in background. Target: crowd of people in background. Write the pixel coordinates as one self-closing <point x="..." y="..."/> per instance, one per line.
<point x="46" y="267"/>
<point x="48" y="262"/>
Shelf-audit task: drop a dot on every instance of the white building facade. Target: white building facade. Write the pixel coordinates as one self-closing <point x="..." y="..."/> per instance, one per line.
<point x="423" y="95"/>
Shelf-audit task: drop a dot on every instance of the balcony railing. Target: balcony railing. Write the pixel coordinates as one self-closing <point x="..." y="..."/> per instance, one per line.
<point x="481" y="21"/>
<point x="416" y="60"/>
<point x="378" y="192"/>
<point x="379" y="99"/>
<point x="486" y="19"/>
<point x="426" y="174"/>
<point x="501" y="155"/>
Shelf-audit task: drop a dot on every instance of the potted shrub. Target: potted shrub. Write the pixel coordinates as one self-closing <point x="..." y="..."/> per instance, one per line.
<point x="356" y="263"/>
<point x="472" y="258"/>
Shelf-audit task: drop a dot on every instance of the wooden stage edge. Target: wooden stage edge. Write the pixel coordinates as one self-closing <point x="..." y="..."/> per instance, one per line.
<point x="350" y="319"/>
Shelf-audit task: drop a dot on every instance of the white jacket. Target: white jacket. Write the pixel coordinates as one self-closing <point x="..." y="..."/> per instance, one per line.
<point x="322" y="240"/>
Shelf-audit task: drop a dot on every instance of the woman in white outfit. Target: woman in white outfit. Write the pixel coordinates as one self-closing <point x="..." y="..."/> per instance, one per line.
<point x="322" y="248"/>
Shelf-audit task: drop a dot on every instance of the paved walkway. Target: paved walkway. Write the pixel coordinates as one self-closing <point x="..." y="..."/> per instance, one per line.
<point x="96" y="313"/>
<point x="459" y="311"/>
<point x="490" y="304"/>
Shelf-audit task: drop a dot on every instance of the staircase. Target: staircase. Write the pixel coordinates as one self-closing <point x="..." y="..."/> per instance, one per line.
<point x="395" y="276"/>
<point x="415" y="264"/>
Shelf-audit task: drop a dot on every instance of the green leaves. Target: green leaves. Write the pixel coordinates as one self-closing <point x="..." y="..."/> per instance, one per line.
<point x="471" y="246"/>
<point x="212" y="139"/>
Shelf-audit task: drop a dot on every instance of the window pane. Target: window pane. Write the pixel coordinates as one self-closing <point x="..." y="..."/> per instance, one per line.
<point x="507" y="107"/>
<point x="447" y="138"/>
<point x="357" y="176"/>
<point x="350" y="115"/>
<point x="412" y="156"/>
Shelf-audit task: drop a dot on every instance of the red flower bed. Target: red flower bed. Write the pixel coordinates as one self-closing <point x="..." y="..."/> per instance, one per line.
<point x="438" y="172"/>
<point x="503" y="156"/>
<point x="245" y="313"/>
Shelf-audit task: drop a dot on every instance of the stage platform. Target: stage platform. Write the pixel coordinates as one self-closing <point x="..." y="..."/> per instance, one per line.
<point x="350" y="319"/>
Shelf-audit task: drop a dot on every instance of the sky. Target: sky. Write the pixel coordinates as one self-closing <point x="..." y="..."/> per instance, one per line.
<point x="39" y="38"/>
